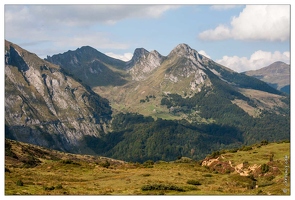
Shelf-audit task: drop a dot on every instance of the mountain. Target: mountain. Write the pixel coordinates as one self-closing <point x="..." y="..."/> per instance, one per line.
<point x="187" y="73"/>
<point x="186" y="104"/>
<point x="91" y="67"/>
<point x="153" y="107"/>
<point x="47" y="107"/>
<point x="276" y="75"/>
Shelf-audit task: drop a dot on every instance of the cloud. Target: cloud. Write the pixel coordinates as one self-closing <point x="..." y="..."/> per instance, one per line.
<point x="72" y="26"/>
<point x="255" y="22"/>
<point x="124" y="57"/>
<point x="257" y="60"/>
<point x="80" y="15"/>
<point x="223" y="7"/>
<point x="202" y="52"/>
<point x="221" y="32"/>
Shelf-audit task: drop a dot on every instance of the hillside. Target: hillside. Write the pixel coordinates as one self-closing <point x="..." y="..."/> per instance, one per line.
<point x="276" y="75"/>
<point x="45" y="106"/>
<point x="261" y="169"/>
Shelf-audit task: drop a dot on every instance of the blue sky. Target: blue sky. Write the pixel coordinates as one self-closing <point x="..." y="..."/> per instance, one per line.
<point x="241" y="37"/>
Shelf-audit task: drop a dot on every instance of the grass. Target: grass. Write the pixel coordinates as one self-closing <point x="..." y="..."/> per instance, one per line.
<point x="85" y="175"/>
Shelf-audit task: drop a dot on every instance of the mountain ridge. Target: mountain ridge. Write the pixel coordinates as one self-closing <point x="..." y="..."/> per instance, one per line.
<point x="185" y="105"/>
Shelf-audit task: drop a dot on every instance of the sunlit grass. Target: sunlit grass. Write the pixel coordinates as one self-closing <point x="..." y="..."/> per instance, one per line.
<point x="86" y="176"/>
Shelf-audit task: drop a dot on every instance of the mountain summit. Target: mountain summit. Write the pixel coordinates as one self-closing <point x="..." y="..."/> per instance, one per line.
<point x="143" y="62"/>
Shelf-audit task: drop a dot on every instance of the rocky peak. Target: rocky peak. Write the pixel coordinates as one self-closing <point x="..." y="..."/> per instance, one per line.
<point x="183" y="50"/>
<point x="143" y="62"/>
<point x="138" y="54"/>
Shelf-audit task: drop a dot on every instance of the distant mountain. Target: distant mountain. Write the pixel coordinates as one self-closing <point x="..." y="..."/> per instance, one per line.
<point x="152" y="107"/>
<point x="276" y="75"/>
<point x="91" y="67"/>
<point x="45" y="106"/>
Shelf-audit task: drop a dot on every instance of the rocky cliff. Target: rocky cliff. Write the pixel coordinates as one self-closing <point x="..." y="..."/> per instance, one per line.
<point x="44" y="106"/>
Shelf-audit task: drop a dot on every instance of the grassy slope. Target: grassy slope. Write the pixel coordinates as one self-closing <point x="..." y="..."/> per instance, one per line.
<point x="62" y="173"/>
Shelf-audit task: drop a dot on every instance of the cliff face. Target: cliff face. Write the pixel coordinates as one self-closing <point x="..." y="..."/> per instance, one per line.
<point x="44" y="106"/>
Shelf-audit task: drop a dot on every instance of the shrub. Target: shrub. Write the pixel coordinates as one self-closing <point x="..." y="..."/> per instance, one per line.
<point x="145" y="175"/>
<point x="59" y="186"/>
<point x="161" y="187"/>
<point x="207" y="175"/>
<point x="68" y="162"/>
<point x="246" y="148"/>
<point x="184" y="160"/>
<point x="48" y="188"/>
<point x="264" y="168"/>
<point x="193" y="182"/>
<point x="31" y="162"/>
<point x="105" y="164"/>
<point x="19" y="183"/>
<point x="149" y="162"/>
<point x="264" y="142"/>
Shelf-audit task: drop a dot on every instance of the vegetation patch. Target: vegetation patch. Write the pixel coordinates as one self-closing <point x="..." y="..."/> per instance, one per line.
<point x="193" y="182"/>
<point x="146" y="174"/>
<point x="48" y="188"/>
<point x="31" y="161"/>
<point x="207" y="175"/>
<point x="264" y="168"/>
<point x="161" y="187"/>
<point x="19" y="183"/>
<point x="68" y="162"/>
<point x="105" y="164"/>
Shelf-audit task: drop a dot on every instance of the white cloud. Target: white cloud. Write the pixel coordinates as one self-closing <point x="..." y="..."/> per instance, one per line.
<point x="257" y="60"/>
<point x="223" y="7"/>
<point x="202" y="52"/>
<point x="221" y="32"/>
<point x="72" y="26"/>
<point x="255" y="22"/>
<point x="79" y="15"/>
<point x="124" y="57"/>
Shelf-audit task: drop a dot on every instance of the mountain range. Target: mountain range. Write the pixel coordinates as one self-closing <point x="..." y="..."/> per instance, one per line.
<point x="151" y="107"/>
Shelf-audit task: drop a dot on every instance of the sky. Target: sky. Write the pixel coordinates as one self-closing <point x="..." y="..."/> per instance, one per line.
<point x="241" y="37"/>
